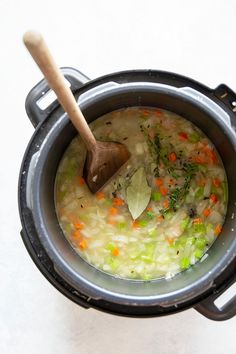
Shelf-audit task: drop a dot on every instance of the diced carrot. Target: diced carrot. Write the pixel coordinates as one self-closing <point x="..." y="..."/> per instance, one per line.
<point x="213" y="156"/>
<point x="79" y="225"/>
<point x="118" y="201"/>
<point x="206" y="212"/>
<point x="136" y="224"/>
<point x="158" y="113"/>
<point x="216" y="182"/>
<point x="200" y="159"/>
<point x="113" y="211"/>
<point x="210" y="153"/>
<point x="76" y="234"/>
<point x="172" y="157"/>
<point x="163" y="190"/>
<point x="170" y="240"/>
<point x="197" y="221"/>
<point x="183" y="136"/>
<point x="149" y="209"/>
<point x="111" y="221"/>
<point x="218" y="229"/>
<point x="213" y="198"/>
<point x="165" y="203"/>
<point x="160" y="218"/>
<point x="115" y="251"/>
<point x="158" y="182"/>
<point x="145" y="112"/>
<point x="81" y="180"/>
<point x="83" y="244"/>
<point x="100" y="195"/>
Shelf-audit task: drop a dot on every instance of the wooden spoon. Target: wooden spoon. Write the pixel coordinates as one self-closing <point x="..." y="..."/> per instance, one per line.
<point x="103" y="159"/>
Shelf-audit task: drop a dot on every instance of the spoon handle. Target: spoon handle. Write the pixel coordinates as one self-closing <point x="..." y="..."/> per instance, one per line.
<point x="38" y="49"/>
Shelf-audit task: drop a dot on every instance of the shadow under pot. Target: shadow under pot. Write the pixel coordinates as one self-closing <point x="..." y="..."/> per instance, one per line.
<point x="212" y="111"/>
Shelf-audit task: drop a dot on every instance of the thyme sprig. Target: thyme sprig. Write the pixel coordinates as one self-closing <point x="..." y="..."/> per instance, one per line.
<point x="178" y="194"/>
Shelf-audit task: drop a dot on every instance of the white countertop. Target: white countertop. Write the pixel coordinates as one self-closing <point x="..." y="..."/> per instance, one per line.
<point x="193" y="38"/>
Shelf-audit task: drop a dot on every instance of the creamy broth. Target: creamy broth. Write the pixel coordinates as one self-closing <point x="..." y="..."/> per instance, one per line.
<point x="160" y="213"/>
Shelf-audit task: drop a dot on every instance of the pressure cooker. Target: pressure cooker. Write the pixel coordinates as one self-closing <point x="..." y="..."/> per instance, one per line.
<point x="211" y="110"/>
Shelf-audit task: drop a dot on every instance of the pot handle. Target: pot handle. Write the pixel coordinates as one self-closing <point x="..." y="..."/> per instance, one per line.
<point x="227" y="96"/>
<point x="34" y="104"/>
<point x="210" y="308"/>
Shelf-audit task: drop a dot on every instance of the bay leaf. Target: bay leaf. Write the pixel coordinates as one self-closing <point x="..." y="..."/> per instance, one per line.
<point x="138" y="193"/>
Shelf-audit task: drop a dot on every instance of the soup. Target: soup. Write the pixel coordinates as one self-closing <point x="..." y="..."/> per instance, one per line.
<point x="163" y="209"/>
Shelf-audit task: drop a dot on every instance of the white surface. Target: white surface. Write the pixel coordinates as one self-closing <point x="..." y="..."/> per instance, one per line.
<point x="194" y="38"/>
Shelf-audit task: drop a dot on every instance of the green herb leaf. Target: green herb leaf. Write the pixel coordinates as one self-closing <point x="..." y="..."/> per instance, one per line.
<point x="154" y="148"/>
<point x="138" y="193"/>
<point x="178" y="194"/>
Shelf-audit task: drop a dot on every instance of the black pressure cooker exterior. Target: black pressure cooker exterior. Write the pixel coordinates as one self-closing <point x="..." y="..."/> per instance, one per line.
<point x="45" y="242"/>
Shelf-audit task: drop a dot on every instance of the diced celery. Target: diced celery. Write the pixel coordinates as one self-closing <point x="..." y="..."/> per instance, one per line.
<point x="68" y="228"/>
<point x="185" y="263"/>
<point x="110" y="246"/>
<point x="191" y="240"/>
<point x="199" y="193"/>
<point x="185" y="223"/>
<point x="146" y="276"/>
<point x="153" y="233"/>
<point x="209" y="227"/>
<point x="199" y="228"/>
<point x="200" y="243"/>
<point x="150" y="214"/>
<point x="147" y="255"/>
<point x="149" y="247"/>
<point x="156" y="196"/>
<point x="168" y="214"/>
<point x="84" y="217"/>
<point x="112" y="262"/>
<point x="214" y="189"/>
<point x="107" y="202"/>
<point x="70" y="174"/>
<point x="146" y="258"/>
<point x="181" y="241"/>
<point x="71" y="169"/>
<point x="122" y="225"/>
<point x="202" y="168"/>
<point x="198" y="253"/>
<point x="194" y="138"/>
<point x="143" y="223"/>
<point x="61" y="195"/>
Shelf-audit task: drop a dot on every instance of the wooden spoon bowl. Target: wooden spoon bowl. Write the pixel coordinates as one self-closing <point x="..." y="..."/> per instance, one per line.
<point x="102" y="163"/>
